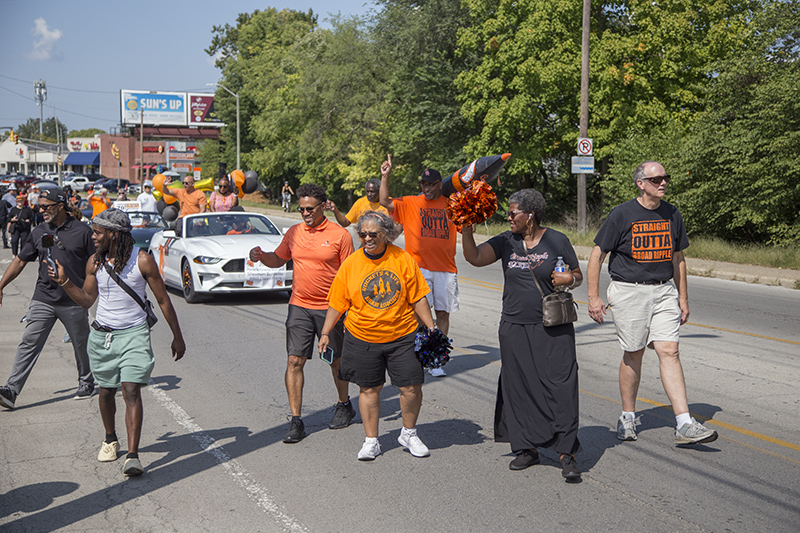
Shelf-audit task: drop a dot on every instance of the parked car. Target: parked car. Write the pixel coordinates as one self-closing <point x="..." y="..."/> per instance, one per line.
<point x="206" y="255"/>
<point x="77" y="182"/>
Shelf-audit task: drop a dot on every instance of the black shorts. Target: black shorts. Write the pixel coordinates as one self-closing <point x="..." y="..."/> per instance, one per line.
<point x="302" y="325"/>
<point x="366" y="363"/>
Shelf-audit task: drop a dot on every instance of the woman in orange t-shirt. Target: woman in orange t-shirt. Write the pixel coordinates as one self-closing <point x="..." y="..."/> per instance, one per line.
<point x="381" y="288"/>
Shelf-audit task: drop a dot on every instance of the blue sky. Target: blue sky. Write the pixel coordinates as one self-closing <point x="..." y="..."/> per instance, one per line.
<point x="86" y="51"/>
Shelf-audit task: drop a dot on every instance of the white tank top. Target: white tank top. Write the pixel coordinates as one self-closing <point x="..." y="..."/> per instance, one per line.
<point x="115" y="308"/>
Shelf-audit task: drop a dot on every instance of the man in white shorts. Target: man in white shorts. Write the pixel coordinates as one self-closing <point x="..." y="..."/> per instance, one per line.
<point x="646" y="238"/>
<point x="430" y="238"/>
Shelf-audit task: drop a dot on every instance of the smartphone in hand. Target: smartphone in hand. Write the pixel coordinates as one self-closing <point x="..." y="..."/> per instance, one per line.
<point x="327" y="355"/>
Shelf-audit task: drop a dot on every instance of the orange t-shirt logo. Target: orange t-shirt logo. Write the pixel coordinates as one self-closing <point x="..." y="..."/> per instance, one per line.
<point x="651" y="241"/>
<point x="434" y="223"/>
<point x="381" y="289"/>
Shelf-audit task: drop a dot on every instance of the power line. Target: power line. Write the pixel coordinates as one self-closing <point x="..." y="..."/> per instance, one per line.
<point x="63" y="88"/>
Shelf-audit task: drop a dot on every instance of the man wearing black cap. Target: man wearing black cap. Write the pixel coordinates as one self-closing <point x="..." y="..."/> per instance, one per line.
<point x="69" y="242"/>
<point x="119" y="345"/>
<point x="430" y="238"/>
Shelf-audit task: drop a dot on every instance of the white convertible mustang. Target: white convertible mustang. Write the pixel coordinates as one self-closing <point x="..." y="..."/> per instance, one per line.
<point x="208" y="254"/>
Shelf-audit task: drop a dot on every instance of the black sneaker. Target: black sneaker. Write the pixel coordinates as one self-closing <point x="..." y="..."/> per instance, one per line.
<point x="85" y="391"/>
<point x="524" y="460"/>
<point x="297" y="431"/>
<point x="7" y="397"/>
<point x="344" y="414"/>
<point x="569" y="468"/>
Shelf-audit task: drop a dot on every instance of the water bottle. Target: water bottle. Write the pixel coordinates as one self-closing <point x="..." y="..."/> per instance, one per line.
<point x="561" y="266"/>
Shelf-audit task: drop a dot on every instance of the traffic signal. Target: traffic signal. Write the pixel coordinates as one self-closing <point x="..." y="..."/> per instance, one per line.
<point x="13" y="137"/>
<point x="115" y="150"/>
<point x="59" y="161"/>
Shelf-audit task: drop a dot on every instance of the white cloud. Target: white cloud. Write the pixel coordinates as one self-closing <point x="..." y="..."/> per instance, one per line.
<point x="44" y="42"/>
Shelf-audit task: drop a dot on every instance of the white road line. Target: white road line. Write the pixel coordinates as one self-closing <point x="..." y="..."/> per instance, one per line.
<point x="231" y="466"/>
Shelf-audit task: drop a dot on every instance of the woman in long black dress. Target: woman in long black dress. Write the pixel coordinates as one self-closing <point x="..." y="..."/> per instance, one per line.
<point x="537" y="393"/>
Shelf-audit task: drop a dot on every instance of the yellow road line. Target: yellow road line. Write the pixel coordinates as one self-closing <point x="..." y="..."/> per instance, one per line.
<point x="730" y="427"/>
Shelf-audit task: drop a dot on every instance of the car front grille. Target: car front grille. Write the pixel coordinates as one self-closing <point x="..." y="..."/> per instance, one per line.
<point x="234" y="265"/>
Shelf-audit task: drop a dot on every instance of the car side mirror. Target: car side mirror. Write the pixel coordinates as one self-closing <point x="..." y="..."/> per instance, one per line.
<point x="169" y="233"/>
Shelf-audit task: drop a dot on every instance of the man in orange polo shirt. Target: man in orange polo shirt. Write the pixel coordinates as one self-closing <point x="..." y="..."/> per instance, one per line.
<point x="430" y="238"/>
<point x="317" y="247"/>
<point x="192" y="200"/>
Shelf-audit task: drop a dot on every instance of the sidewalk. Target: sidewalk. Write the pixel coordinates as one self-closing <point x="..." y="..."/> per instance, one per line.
<point x="777" y="277"/>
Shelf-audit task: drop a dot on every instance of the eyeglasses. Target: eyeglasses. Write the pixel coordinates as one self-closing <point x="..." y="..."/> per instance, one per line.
<point x="187" y="182"/>
<point x="657" y="180"/>
<point x="223" y="186"/>
<point x="513" y="214"/>
<point x="426" y="184"/>
<point x="372" y="234"/>
<point x="308" y="209"/>
<point x="47" y="206"/>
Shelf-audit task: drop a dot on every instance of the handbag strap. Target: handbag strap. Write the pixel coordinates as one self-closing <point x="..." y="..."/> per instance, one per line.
<point x="124" y="286"/>
<point x="536" y="281"/>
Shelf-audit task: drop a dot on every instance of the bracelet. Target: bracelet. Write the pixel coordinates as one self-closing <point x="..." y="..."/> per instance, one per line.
<point x="65" y="282"/>
<point x="574" y="280"/>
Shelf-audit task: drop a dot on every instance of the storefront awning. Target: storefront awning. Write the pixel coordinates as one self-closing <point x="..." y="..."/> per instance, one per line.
<point x="135" y="167"/>
<point x="83" y="158"/>
<point x="150" y="167"/>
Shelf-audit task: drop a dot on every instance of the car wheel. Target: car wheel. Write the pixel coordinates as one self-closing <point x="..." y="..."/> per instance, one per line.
<point x="189" y="293"/>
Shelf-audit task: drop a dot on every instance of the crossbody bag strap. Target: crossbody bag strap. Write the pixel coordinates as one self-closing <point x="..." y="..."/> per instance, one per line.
<point x="536" y="281"/>
<point x="124" y="286"/>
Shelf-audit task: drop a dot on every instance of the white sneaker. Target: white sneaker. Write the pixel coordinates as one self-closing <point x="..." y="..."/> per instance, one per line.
<point x="108" y="452"/>
<point x="369" y="451"/>
<point x="437" y="372"/>
<point x="409" y="439"/>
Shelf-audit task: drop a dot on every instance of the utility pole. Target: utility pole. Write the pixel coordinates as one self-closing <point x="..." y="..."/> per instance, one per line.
<point x="40" y="93"/>
<point x="584" y="120"/>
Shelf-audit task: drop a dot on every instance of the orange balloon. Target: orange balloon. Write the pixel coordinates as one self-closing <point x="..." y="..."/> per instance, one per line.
<point x="158" y="182"/>
<point x="238" y="179"/>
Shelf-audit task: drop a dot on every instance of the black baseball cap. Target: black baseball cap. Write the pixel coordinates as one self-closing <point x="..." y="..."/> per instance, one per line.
<point x="54" y="194"/>
<point x="431" y="176"/>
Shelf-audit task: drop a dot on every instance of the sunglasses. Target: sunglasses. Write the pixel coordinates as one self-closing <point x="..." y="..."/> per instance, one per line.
<point x="372" y="234"/>
<point x="47" y="207"/>
<point x="308" y="209"/>
<point x="513" y="214"/>
<point x="187" y="182"/>
<point x="657" y="180"/>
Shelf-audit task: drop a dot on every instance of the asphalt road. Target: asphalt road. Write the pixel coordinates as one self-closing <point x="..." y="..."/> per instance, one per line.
<point x="214" y="421"/>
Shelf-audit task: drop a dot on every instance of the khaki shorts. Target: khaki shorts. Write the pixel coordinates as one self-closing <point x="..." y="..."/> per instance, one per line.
<point x="644" y="314"/>
<point x="444" y="290"/>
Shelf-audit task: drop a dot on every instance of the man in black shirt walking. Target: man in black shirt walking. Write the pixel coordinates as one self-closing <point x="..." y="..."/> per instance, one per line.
<point x="70" y="242"/>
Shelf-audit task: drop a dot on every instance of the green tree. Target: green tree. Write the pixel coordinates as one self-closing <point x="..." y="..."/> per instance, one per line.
<point x="250" y="55"/>
<point x="91" y="132"/>
<point x="30" y="130"/>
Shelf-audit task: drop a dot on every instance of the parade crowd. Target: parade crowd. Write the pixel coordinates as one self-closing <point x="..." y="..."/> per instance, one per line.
<point x="362" y="311"/>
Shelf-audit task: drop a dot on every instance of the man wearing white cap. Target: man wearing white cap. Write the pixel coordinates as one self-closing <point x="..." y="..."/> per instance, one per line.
<point x="147" y="201"/>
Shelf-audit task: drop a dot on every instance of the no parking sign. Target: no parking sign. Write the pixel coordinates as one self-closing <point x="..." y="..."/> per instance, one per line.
<point x="585" y="146"/>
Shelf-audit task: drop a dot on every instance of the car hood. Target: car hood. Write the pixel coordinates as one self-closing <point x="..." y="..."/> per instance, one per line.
<point x="231" y="246"/>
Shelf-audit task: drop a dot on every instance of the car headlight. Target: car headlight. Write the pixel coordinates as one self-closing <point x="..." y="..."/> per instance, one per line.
<point x="205" y="260"/>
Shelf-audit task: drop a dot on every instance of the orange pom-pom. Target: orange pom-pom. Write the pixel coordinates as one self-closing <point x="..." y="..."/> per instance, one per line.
<point x="476" y="204"/>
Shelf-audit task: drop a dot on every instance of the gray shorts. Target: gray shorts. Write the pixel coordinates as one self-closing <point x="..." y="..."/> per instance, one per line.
<point x="303" y="325"/>
<point x="644" y="314"/>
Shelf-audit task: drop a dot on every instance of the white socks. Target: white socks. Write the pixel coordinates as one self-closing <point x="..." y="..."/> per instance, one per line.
<point x="682" y="419"/>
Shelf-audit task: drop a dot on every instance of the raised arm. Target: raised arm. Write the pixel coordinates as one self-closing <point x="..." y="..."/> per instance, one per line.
<point x="340" y="218"/>
<point x="386" y="170"/>
<point x="478" y="256"/>
<point x="84" y="296"/>
<point x="270" y="259"/>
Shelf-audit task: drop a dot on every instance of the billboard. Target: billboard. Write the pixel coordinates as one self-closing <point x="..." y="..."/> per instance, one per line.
<point x="153" y="108"/>
<point x="201" y="110"/>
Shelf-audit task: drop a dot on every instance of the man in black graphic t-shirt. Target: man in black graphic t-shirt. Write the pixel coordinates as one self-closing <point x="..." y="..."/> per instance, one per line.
<point x="646" y="238"/>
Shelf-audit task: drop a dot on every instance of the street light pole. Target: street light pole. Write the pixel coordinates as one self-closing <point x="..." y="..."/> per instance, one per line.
<point x="238" y="138"/>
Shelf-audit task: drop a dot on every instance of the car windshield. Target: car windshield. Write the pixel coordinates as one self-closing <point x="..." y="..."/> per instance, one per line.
<point x="229" y="224"/>
<point x="141" y="219"/>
